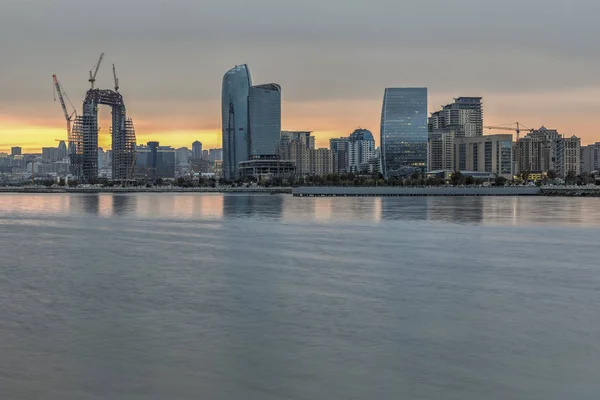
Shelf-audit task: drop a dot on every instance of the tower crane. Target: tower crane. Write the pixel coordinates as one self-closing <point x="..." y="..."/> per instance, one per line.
<point x="93" y="75"/>
<point x="116" y="79"/>
<point x="519" y="128"/>
<point x="61" y="96"/>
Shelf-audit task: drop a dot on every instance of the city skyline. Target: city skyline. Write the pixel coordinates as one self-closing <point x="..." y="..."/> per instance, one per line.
<point x="172" y="83"/>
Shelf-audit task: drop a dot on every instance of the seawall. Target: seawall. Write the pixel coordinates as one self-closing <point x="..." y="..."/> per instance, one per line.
<point x="331" y="191"/>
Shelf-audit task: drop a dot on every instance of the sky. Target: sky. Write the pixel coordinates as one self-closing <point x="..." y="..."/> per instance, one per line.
<point x="532" y="61"/>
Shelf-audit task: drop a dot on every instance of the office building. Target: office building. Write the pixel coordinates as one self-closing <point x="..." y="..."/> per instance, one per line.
<point x="264" y="110"/>
<point x="234" y="103"/>
<point x="463" y="118"/>
<point x="491" y="154"/>
<point x="16" y="151"/>
<point x="404" y="131"/>
<point x="361" y="149"/>
<point x="197" y="150"/>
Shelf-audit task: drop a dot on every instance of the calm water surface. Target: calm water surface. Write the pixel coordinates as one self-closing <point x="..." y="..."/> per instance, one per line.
<point x="190" y="296"/>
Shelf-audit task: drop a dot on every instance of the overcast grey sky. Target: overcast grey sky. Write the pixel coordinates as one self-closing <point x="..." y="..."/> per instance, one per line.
<point x="532" y="60"/>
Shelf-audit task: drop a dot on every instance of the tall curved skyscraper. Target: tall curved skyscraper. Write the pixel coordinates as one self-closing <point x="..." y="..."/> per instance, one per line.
<point x="234" y="101"/>
<point x="404" y="131"/>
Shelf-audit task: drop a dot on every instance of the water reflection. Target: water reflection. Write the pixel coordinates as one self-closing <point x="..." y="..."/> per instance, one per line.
<point x="462" y="210"/>
<point x="123" y="204"/>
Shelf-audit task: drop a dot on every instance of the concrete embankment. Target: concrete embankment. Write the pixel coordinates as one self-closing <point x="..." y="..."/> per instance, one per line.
<point x="35" y="189"/>
<point x="385" y="191"/>
<point x="416" y="191"/>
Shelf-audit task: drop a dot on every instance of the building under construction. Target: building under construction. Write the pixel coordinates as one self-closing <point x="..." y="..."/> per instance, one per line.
<point x="83" y="137"/>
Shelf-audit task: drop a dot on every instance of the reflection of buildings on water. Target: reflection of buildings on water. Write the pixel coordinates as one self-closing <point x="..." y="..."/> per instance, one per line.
<point x="85" y="203"/>
<point x="269" y="206"/>
<point x="461" y="210"/>
<point x="404" y="208"/>
<point x="123" y="204"/>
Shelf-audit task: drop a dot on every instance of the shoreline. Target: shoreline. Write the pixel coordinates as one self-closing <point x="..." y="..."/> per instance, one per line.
<point x="334" y="191"/>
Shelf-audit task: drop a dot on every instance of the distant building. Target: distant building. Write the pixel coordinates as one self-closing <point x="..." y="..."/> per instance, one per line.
<point x="215" y="155"/>
<point x="340" y="154"/>
<point x="196" y="150"/>
<point x="463" y="118"/>
<point x="234" y="107"/>
<point x="16" y="151"/>
<point x="62" y="150"/>
<point x="490" y="153"/>
<point x="101" y="156"/>
<point x="182" y="155"/>
<point x="361" y="149"/>
<point x="155" y="161"/>
<point x="50" y="154"/>
<point x="205" y="155"/>
<point x="590" y="158"/>
<point x="404" y="131"/>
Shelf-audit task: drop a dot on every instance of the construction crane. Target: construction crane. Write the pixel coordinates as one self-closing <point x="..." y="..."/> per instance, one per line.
<point x="519" y="128"/>
<point x="61" y="96"/>
<point x="96" y="68"/>
<point x="116" y="79"/>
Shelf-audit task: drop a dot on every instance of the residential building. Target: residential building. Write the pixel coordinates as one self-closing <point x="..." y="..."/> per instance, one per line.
<point x="205" y="155"/>
<point x="590" y="158"/>
<point x="489" y="153"/>
<point x="361" y="149"/>
<point x="545" y="149"/>
<point x="234" y="102"/>
<point x="264" y="111"/>
<point x="463" y="118"/>
<point x="62" y="150"/>
<point x="16" y="151"/>
<point x="299" y="147"/>
<point x="404" y="131"/>
<point x="340" y="155"/>
<point x="196" y="150"/>
<point x="568" y="157"/>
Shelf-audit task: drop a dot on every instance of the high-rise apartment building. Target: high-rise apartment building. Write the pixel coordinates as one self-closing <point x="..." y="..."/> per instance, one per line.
<point x="299" y="147"/>
<point x="264" y="110"/>
<point x="16" y="151"/>
<point x="234" y="102"/>
<point x="340" y="154"/>
<point x="404" y="131"/>
<point x="205" y="155"/>
<point x="361" y="149"/>
<point x="545" y="149"/>
<point x="182" y="154"/>
<point x="490" y="153"/>
<point x="463" y="118"/>
<point x="196" y="150"/>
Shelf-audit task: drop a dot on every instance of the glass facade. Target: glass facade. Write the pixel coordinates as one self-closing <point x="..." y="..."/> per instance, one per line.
<point x="404" y="131"/>
<point x="234" y="101"/>
<point x="264" y="104"/>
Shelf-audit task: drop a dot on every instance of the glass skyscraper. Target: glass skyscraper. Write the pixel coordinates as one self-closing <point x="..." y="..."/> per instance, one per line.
<point x="404" y="131"/>
<point x="234" y="101"/>
<point x="264" y="104"/>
